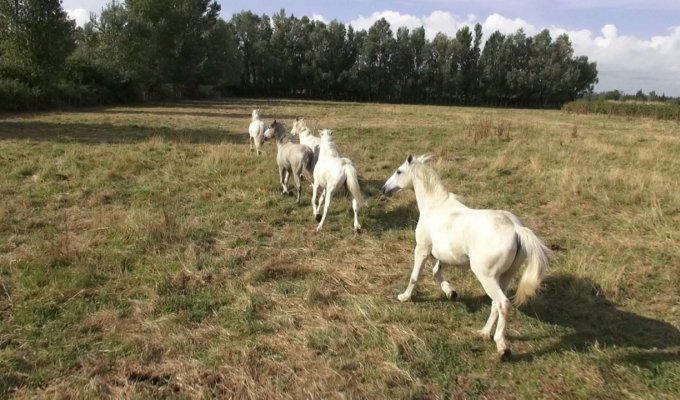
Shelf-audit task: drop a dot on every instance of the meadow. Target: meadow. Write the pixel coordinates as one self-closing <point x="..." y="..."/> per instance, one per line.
<point x="146" y="252"/>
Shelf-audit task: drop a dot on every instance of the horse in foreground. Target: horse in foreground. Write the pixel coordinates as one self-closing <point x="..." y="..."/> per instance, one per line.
<point x="332" y="173"/>
<point x="292" y="158"/>
<point x="256" y="131"/>
<point x="494" y="243"/>
<point x="306" y="136"/>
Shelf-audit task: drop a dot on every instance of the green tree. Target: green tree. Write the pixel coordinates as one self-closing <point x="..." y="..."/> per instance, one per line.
<point x="36" y="36"/>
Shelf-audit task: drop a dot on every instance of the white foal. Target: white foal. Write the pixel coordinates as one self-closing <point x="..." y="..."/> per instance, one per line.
<point x="256" y="131"/>
<point x="331" y="173"/>
<point x="494" y="243"/>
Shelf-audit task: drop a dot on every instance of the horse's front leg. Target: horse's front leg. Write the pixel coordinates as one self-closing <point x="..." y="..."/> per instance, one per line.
<point x="251" y="142"/>
<point x="420" y="255"/>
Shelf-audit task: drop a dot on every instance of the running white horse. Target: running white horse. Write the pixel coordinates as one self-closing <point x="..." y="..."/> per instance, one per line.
<point x="306" y="136"/>
<point x="256" y="131"/>
<point x="332" y="173"/>
<point x="494" y="243"/>
<point x="292" y="158"/>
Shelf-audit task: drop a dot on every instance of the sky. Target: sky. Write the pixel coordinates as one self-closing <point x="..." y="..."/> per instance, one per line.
<point x="636" y="43"/>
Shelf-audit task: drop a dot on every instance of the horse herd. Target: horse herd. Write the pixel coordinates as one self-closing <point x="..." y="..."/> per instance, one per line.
<point x="493" y="243"/>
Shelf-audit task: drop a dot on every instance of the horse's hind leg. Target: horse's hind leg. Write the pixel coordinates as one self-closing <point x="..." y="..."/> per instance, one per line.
<point x="317" y="211"/>
<point x="251" y="142"/>
<point x="442" y="282"/>
<point x="493" y="315"/>
<point x="283" y="179"/>
<point x="315" y="187"/>
<point x="355" y="208"/>
<point x="420" y="255"/>
<point x="501" y="305"/>
<point x="327" y="203"/>
<point x="298" y="186"/>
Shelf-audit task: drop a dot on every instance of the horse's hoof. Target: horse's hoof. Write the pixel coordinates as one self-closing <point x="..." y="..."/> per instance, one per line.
<point x="357" y="230"/>
<point x="452" y="295"/>
<point x="317" y="217"/>
<point x="505" y="355"/>
<point x="403" y="298"/>
<point x="318" y="229"/>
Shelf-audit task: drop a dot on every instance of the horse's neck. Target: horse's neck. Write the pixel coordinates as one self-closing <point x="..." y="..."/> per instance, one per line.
<point x="431" y="194"/>
<point x="305" y="132"/>
<point x="283" y="140"/>
<point x="328" y="151"/>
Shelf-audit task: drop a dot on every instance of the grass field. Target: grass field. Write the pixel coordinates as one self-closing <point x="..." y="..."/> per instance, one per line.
<point x="145" y="252"/>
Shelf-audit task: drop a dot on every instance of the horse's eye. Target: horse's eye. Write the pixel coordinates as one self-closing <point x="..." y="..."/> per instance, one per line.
<point x="398" y="172"/>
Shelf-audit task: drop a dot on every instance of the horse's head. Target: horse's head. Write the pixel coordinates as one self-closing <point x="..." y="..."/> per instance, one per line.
<point x="401" y="178"/>
<point x="256" y="114"/>
<point x="299" y="125"/>
<point x="327" y="134"/>
<point x="276" y="130"/>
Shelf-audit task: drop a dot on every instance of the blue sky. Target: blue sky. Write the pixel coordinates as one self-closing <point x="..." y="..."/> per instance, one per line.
<point x="636" y="43"/>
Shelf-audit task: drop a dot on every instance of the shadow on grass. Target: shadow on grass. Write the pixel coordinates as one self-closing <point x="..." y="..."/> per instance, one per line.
<point x="578" y="304"/>
<point x="113" y="134"/>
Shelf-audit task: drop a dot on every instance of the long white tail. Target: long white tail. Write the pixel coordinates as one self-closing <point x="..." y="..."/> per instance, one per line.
<point x="537" y="264"/>
<point x="352" y="182"/>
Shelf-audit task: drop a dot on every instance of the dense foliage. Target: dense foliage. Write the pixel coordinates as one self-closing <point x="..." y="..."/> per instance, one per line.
<point x="156" y="49"/>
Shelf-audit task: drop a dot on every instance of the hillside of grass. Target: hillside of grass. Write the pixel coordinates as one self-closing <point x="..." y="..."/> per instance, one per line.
<point x="145" y="252"/>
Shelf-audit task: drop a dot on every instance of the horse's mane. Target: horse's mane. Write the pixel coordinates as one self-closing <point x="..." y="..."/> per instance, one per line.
<point x="281" y="133"/>
<point x="327" y="146"/>
<point x="430" y="180"/>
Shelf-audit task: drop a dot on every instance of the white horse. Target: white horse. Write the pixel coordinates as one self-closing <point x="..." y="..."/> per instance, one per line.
<point x="494" y="243"/>
<point x="331" y="173"/>
<point x="292" y="158"/>
<point x="256" y="131"/>
<point x="306" y="136"/>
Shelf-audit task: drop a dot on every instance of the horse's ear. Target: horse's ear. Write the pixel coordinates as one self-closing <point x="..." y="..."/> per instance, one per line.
<point x="274" y="122"/>
<point x="297" y="118"/>
<point x="409" y="159"/>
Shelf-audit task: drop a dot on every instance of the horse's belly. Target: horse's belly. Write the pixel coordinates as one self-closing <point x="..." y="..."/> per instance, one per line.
<point x="450" y="255"/>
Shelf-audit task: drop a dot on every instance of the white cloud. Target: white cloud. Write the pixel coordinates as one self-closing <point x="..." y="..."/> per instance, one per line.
<point x="624" y="62"/>
<point x="81" y="15"/>
<point x="395" y="18"/>
<point x="318" y="17"/>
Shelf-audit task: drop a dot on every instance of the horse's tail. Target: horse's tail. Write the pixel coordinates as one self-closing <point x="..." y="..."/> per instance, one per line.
<point x="352" y="182"/>
<point x="308" y="165"/>
<point x="537" y="264"/>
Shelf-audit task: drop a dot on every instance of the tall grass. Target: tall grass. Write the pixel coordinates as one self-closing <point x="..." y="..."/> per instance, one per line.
<point x="668" y="111"/>
<point x="146" y="253"/>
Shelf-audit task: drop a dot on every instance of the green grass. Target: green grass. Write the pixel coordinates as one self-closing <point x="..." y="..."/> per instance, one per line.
<point x="145" y="252"/>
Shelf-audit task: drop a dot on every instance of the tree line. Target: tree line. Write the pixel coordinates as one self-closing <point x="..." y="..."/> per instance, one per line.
<point x="140" y="50"/>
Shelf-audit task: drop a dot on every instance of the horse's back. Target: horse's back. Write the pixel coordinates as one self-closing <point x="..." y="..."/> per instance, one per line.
<point x="256" y="127"/>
